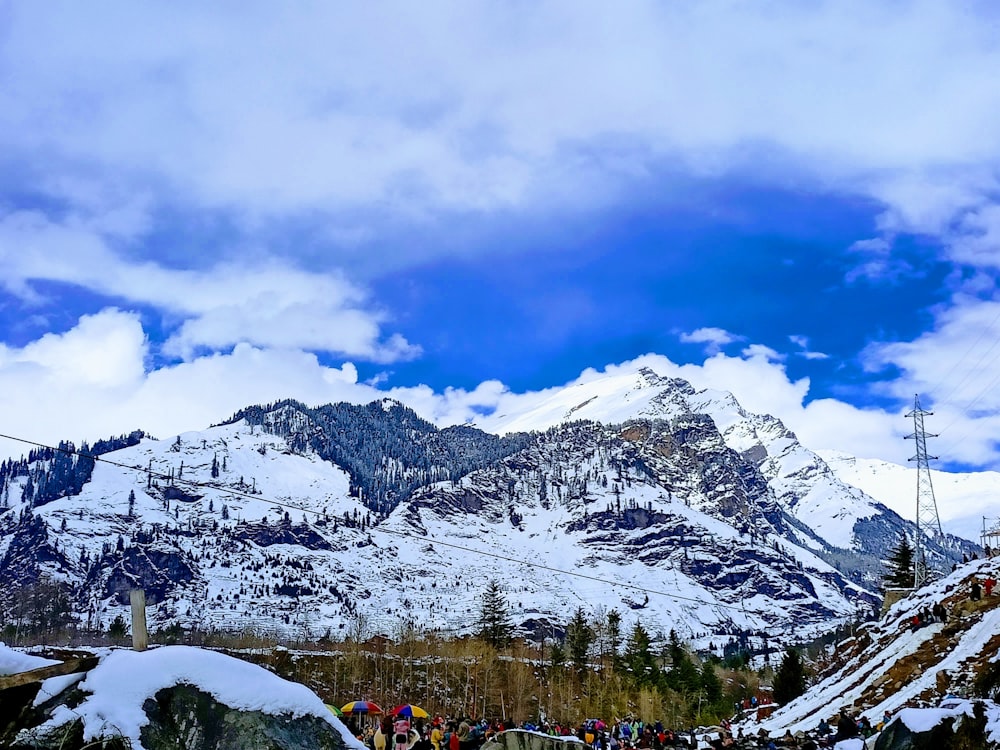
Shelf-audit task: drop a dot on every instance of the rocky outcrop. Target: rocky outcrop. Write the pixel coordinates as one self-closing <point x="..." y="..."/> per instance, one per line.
<point x="162" y="699"/>
<point x="184" y="716"/>
<point x="266" y="535"/>
<point x="519" y="739"/>
<point x="959" y="732"/>
<point x="155" y="571"/>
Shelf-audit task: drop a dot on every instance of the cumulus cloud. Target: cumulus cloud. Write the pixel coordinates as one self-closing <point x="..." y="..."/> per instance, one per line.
<point x="763" y="352"/>
<point x="713" y="338"/>
<point x="262" y="302"/>
<point x="954" y="370"/>
<point x="93" y="379"/>
<point x="484" y="107"/>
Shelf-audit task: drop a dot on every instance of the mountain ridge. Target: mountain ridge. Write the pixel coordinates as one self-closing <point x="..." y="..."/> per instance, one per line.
<point x="662" y="501"/>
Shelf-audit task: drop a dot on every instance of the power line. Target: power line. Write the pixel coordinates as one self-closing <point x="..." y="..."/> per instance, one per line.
<point x="960" y="360"/>
<point x="482" y="553"/>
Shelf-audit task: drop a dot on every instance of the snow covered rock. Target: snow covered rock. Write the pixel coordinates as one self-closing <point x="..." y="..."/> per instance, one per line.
<point x="518" y="739"/>
<point x="964" y="724"/>
<point x="179" y="696"/>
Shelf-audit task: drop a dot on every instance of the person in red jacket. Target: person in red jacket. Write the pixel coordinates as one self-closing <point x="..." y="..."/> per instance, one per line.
<point x="988" y="585"/>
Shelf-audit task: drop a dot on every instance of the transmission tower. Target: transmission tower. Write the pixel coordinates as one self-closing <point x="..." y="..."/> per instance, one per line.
<point x="928" y="522"/>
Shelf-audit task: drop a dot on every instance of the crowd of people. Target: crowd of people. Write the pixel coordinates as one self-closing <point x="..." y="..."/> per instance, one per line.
<point x="441" y="733"/>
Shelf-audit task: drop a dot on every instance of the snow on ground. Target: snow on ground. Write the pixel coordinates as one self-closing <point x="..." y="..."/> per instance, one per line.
<point x="846" y="687"/>
<point x="925" y="719"/>
<point x="12" y="662"/>
<point x="963" y="499"/>
<point x="123" y="681"/>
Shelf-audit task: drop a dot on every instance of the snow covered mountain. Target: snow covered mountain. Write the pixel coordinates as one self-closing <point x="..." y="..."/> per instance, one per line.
<point x="832" y="504"/>
<point x="635" y="493"/>
<point x="966" y="502"/>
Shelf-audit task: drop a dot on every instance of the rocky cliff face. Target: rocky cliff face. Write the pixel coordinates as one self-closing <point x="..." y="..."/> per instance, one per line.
<point x="686" y="511"/>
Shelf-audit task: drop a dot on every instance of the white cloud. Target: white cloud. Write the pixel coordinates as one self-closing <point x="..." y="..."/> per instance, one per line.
<point x="806" y="353"/>
<point x="876" y="262"/>
<point x="262" y="302"/>
<point x="763" y="352"/>
<point x="478" y="107"/>
<point x="104" y="351"/>
<point x="713" y="338"/>
<point x="955" y="369"/>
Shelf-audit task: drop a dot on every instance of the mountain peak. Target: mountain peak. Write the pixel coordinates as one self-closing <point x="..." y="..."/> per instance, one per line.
<point x="649" y="378"/>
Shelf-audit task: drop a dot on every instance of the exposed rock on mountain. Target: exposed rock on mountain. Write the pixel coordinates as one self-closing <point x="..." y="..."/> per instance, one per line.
<point x="666" y="500"/>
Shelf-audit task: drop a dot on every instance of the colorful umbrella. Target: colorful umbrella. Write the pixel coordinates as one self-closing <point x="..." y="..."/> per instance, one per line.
<point x="336" y="711"/>
<point x="361" y="707"/>
<point x="409" y="710"/>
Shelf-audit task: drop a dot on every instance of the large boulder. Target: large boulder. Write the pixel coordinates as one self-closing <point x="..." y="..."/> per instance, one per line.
<point x="961" y="726"/>
<point x="184" y="716"/>
<point x="521" y="739"/>
<point x="178" y="697"/>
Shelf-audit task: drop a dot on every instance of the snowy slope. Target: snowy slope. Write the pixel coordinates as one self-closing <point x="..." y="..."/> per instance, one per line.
<point x="659" y="557"/>
<point x="277" y="542"/>
<point x="966" y="502"/>
<point x="888" y="666"/>
<point x="834" y="509"/>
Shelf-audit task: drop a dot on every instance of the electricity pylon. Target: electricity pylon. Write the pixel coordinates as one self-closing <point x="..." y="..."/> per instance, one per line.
<point x="928" y="522"/>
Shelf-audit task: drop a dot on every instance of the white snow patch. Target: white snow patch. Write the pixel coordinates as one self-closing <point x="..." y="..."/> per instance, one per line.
<point x="124" y="680"/>
<point x="12" y="662"/>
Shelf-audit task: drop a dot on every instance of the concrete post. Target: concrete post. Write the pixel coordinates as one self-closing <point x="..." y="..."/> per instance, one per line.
<point x="140" y="637"/>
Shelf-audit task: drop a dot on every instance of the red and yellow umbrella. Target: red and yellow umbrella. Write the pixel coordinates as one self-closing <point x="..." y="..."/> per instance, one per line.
<point x="361" y="707"/>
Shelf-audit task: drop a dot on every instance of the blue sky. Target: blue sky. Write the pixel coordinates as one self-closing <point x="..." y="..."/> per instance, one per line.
<point x="459" y="204"/>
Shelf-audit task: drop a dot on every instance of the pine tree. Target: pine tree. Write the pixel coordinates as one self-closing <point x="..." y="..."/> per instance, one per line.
<point x="790" y="679"/>
<point x="683" y="675"/>
<point x="558" y="655"/>
<point x="900" y="572"/>
<point x="638" y="657"/>
<point x="711" y="683"/>
<point x="613" y="633"/>
<point x="494" y="625"/>
<point x="579" y="637"/>
<point x="118" y="629"/>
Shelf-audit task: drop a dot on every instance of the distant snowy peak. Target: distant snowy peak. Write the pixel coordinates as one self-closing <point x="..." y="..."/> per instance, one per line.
<point x="611" y="399"/>
<point x="895" y="486"/>
<point x="839" y="512"/>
